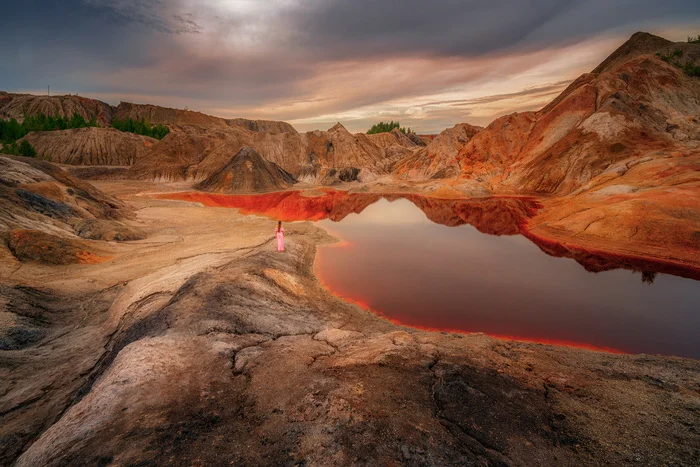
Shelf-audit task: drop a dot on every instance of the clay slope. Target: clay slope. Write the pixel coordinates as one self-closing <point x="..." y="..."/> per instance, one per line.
<point x="247" y="172"/>
<point x="439" y="158"/>
<point x="18" y="105"/>
<point x="635" y="106"/>
<point x="90" y="146"/>
<point x="44" y="211"/>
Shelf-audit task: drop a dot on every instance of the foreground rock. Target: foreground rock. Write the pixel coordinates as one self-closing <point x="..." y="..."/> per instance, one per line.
<point x="226" y="351"/>
<point x="44" y="211"/>
<point x="90" y="146"/>
<point x="247" y="172"/>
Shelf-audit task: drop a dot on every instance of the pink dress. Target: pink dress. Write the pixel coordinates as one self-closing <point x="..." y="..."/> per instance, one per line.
<point x="280" y="239"/>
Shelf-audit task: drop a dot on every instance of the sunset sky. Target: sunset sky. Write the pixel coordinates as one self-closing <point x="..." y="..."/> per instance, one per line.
<point x="312" y="63"/>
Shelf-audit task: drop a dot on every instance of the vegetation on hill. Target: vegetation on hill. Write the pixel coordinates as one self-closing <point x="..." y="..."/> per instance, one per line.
<point x="141" y="127"/>
<point x="23" y="149"/>
<point x="689" y="68"/>
<point x="11" y="130"/>
<point x="383" y="127"/>
<point x="694" y="40"/>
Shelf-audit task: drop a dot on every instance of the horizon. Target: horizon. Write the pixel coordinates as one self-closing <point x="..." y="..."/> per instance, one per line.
<point x="361" y="65"/>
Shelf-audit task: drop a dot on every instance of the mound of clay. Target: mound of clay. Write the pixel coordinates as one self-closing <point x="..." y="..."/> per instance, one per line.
<point x="90" y="146"/>
<point x="44" y="211"/>
<point x="248" y="172"/>
<point x="18" y="105"/>
<point x="40" y="247"/>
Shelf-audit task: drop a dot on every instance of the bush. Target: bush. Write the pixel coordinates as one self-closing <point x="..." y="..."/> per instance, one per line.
<point x="689" y="68"/>
<point x="141" y="127"/>
<point x="26" y="149"/>
<point x="23" y="149"/>
<point x="382" y="127"/>
<point x="694" y="40"/>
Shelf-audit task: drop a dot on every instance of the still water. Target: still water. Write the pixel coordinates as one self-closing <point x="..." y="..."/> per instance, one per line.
<point x="462" y="266"/>
<point x="424" y="274"/>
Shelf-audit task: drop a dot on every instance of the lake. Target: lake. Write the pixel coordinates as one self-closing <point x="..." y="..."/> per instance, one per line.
<point x="462" y="265"/>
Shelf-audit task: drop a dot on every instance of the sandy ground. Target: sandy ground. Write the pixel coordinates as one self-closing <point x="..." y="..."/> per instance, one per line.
<point x="202" y="345"/>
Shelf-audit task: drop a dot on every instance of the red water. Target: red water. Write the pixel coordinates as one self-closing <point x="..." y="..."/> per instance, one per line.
<point x="461" y="266"/>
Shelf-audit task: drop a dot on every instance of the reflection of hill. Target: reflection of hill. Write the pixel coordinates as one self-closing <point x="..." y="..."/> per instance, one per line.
<point x="597" y="261"/>
<point x="493" y="216"/>
<point x="287" y="205"/>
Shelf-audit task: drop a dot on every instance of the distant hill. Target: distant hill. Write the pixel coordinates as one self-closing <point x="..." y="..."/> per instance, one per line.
<point x="18" y="105"/>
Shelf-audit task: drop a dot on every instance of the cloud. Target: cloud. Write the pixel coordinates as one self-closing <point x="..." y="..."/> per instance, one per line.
<point x="154" y="14"/>
<point x="317" y="61"/>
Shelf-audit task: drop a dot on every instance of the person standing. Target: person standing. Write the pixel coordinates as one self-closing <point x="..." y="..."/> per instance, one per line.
<point x="279" y="233"/>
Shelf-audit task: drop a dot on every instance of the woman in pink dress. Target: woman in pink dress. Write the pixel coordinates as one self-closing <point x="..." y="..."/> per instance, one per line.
<point x="279" y="233"/>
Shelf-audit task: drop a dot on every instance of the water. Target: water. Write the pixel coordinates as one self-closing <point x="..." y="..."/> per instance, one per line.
<point x="446" y="274"/>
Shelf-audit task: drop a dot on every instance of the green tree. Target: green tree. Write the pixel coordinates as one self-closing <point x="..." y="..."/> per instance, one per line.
<point x="383" y="127"/>
<point x="26" y="149"/>
<point x="141" y="127"/>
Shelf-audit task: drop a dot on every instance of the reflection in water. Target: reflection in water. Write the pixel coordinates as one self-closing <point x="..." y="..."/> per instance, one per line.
<point x="426" y="263"/>
<point x="648" y="277"/>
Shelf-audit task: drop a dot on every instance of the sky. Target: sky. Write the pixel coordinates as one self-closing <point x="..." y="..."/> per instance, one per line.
<point x="428" y="64"/>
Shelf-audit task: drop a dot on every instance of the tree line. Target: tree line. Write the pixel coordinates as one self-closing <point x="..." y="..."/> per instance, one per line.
<point x="141" y="127"/>
<point x="11" y="130"/>
<point x="386" y="127"/>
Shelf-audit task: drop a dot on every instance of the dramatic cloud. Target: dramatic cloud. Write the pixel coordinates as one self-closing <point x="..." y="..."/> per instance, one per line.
<point x="314" y="62"/>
